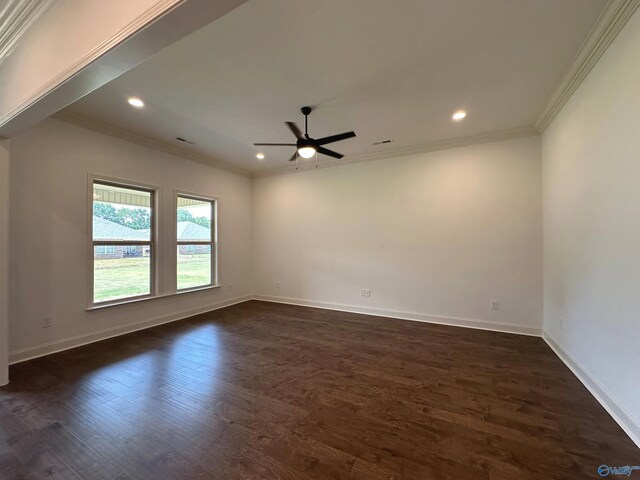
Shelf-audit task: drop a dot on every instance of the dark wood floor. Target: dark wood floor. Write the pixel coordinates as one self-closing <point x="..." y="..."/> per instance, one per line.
<point x="266" y="391"/>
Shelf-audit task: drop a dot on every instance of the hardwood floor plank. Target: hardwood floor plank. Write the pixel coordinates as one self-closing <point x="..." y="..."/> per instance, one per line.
<point x="262" y="390"/>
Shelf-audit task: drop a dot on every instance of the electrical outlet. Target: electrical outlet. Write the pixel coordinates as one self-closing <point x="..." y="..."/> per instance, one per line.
<point x="231" y="286"/>
<point x="365" y="292"/>
<point x="46" y="322"/>
<point x="277" y="284"/>
<point x="495" y="305"/>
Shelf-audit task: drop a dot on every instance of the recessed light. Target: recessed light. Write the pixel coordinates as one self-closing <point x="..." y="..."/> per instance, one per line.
<point x="459" y="115"/>
<point x="135" y="102"/>
<point x="260" y="156"/>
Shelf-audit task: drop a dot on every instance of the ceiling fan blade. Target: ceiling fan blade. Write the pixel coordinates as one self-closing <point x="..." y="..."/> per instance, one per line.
<point x="294" y="156"/>
<point x="275" y="144"/>
<point x="334" y="138"/>
<point x="329" y="153"/>
<point x="296" y="131"/>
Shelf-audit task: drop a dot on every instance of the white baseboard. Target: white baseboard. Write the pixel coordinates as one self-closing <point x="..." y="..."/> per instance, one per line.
<point x="623" y="418"/>
<point x="41" y="350"/>
<point x="414" y="316"/>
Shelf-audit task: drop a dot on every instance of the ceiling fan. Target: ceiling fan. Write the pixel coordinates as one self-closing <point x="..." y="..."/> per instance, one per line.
<point x="306" y="146"/>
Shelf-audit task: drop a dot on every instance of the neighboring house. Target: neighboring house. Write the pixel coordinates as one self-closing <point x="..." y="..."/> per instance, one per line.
<point x="189" y="231"/>
<point x="110" y="231"/>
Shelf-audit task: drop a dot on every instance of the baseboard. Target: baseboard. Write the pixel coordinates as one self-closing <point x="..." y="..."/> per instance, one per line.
<point x="623" y="418"/>
<point x="414" y="316"/>
<point x="41" y="350"/>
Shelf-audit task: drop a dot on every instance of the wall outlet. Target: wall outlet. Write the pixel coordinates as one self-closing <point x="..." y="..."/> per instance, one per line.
<point x="277" y="284"/>
<point x="495" y="305"/>
<point x="46" y="322"/>
<point x="231" y="286"/>
<point x="365" y="292"/>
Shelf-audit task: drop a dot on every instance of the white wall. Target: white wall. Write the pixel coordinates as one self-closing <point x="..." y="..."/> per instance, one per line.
<point x="433" y="235"/>
<point x="591" y="157"/>
<point x="50" y="164"/>
<point x="4" y="260"/>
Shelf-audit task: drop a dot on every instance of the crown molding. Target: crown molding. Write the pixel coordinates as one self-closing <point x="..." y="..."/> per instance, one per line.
<point x="611" y="21"/>
<point x="479" y="139"/>
<point x="143" y="140"/>
<point x="148" y="16"/>
<point x="16" y="16"/>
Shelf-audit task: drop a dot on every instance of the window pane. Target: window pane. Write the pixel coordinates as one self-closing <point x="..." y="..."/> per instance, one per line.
<point x="194" y="266"/>
<point x="194" y="220"/>
<point x="121" y="271"/>
<point x="120" y="213"/>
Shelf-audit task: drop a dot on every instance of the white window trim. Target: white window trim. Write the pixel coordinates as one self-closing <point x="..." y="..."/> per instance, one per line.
<point x="155" y="202"/>
<point x="215" y="278"/>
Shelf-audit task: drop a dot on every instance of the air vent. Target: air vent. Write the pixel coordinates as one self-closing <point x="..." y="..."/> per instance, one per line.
<point x="180" y="139"/>
<point x="382" y="142"/>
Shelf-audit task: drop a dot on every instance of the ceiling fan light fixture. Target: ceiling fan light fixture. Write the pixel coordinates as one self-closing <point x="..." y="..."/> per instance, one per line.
<point x="306" y="152"/>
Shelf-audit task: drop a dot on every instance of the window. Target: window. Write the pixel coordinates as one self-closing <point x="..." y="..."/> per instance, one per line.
<point x="196" y="242"/>
<point x="123" y="241"/>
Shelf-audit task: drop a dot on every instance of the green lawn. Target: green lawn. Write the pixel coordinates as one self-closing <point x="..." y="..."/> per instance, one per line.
<point x="194" y="270"/>
<point x="129" y="277"/>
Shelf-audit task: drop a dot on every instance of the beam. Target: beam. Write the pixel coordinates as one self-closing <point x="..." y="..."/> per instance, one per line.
<point x="79" y="45"/>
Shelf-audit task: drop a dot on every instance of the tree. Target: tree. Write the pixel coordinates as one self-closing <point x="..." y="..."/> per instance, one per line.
<point x="203" y="221"/>
<point x="185" y="216"/>
<point x="135" y="218"/>
<point x="106" y="211"/>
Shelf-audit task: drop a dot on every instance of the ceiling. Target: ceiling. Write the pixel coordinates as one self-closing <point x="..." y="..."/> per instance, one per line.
<point x="388" y="70"/>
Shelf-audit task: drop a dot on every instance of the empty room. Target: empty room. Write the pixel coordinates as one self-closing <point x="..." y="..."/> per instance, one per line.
<point x="318" y="240"/>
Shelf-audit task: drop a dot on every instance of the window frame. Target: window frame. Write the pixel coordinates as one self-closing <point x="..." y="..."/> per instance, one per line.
<point x="213" y="242"/>
<point x="154" y="192"/>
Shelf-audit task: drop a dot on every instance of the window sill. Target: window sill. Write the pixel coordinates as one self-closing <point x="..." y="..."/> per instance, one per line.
<point x="146" y="299"/>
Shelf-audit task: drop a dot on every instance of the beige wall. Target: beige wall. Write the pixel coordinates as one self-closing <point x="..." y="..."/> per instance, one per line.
<point x="436" y="236"/>
<point x="591" y="157"/>
<point x="49" y="265"/>
<point x="4" y="259"/>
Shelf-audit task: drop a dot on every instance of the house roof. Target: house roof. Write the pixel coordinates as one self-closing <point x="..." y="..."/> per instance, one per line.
<point x="193" y="231"/>
<point x="107" y="230"/>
